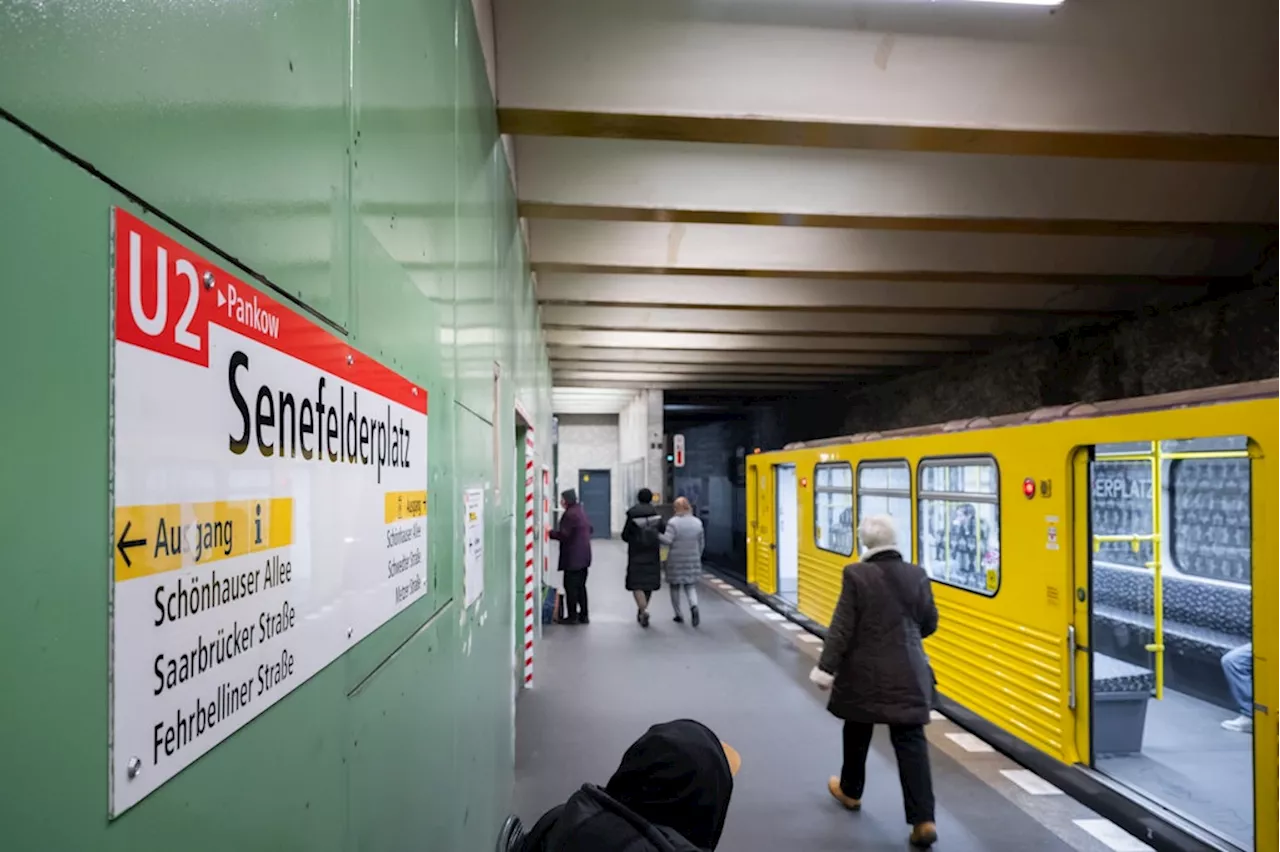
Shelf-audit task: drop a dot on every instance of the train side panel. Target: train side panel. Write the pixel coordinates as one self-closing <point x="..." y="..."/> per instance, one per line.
<point x="1001" y="650"/>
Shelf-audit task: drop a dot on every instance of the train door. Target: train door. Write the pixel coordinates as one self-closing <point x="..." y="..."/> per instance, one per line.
<point x="788" y="533"/>
<point x="763" y="574"/>
<point x="753" y="518"/>
<point x="1163" y="674"/>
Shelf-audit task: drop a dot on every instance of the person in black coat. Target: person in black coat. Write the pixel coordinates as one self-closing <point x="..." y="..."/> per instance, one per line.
<point x="874" y="664"/>
<point x="644" y="552"/>
<point x="670" y="794"/>
<point x="574" y="536"/>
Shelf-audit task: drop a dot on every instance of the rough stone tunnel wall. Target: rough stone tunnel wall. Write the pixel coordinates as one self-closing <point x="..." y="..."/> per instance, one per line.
<point x="1222" y="341"/>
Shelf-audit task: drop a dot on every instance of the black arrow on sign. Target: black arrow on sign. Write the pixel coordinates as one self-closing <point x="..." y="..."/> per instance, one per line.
<point x="123" y="546"/>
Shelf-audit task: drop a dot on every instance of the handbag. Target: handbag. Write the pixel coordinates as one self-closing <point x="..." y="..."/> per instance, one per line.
<point x="549" y="596"/>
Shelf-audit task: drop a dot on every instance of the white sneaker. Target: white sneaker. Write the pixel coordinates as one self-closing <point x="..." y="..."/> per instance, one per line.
<point x="1242" y="724"/>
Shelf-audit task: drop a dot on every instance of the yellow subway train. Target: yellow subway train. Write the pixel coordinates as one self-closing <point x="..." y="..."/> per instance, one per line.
<point x="1106" y="577"/>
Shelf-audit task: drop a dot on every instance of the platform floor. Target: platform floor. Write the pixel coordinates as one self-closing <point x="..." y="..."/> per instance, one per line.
<point x="744" y="673"/>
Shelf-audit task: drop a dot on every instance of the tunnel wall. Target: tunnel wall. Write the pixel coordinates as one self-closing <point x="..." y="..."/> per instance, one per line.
<point x="348" y="156"/>
<point x="1226" y="340"/>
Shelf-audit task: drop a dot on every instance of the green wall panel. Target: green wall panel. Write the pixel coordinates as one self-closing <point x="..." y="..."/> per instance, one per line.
<point x="403" y="788"/>
<point x="231" y="117"/>
<point x="348" y="154"/>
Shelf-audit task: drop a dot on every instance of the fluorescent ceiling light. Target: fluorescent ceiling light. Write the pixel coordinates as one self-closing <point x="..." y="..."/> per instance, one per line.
<point x="1022" y="2"/>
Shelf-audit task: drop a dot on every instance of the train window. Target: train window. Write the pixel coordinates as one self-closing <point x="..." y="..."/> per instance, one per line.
<point x="1209" y="515"/>
<point x="1204" y="507"/>
<point x="1209" y="518"/>
<point x="1121" y="503"/>
<point x="884" y="488"/>
<point x="959" y="536"/>
<point x="833" y="507"/>
<point x="1122" y="449"/>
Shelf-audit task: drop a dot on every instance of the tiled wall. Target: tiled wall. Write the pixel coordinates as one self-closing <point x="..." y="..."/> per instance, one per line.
<point x="590" y="442"/>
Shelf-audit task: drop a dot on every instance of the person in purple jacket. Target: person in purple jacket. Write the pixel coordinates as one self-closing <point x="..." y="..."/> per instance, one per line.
<point x="574" y="536"/>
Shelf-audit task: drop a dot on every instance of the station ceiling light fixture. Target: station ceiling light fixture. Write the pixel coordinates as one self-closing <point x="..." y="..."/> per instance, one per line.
<point x="1020" y="2"/>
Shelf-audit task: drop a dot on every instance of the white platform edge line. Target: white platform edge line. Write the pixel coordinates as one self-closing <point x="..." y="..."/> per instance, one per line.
<point x="970" y="743"/>
<point x="1111" y="835"/>
<point x="1031" y="782"/>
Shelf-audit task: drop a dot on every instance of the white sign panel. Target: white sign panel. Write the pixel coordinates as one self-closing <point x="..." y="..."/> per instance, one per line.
<point x="473" y="547"/>
<point x="270" y="504"/>
<point x="1051" y="532"/>
<point x="677" y="450"/>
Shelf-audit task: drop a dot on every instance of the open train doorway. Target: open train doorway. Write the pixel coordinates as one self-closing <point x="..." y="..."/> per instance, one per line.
<point x="1170" y="633"/>
<point x="788" y="530"/>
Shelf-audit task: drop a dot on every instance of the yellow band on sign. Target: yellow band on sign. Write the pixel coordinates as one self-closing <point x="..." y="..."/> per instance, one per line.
<point x="404" y="505"/>
<point x="167" y="537"/>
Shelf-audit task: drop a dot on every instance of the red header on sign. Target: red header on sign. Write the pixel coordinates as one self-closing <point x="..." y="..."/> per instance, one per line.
<point x="167" y="297"/>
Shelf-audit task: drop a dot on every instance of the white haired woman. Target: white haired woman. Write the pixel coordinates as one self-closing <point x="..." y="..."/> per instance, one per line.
<point x="687" y="540"/>
<point x="875" y="666"/>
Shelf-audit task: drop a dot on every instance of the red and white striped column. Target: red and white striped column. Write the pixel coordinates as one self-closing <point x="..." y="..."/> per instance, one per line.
<point x="530" y="580"/>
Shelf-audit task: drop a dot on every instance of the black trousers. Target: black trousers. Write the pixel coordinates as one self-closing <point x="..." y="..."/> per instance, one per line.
<point x="575" y="592"/>
<point x="912" y="751"/>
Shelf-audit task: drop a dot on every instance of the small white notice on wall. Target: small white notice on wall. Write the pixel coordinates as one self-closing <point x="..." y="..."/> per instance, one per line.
<point x="473" y="544"/>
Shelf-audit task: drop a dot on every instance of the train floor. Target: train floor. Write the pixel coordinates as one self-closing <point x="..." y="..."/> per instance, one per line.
<point x="1192" y="766"/>
<point x="744" y="673"/>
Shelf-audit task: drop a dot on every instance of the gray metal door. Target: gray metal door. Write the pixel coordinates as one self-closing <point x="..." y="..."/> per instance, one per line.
<point x="594" y="490"/>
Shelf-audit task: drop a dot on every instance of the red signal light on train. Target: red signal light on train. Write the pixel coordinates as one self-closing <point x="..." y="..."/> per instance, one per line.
<point x="1028" y="488"/>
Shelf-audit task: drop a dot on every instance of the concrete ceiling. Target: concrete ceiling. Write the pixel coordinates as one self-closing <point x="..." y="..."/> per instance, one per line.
<point x="590" y="400"/>
<point x="768" y="195"/>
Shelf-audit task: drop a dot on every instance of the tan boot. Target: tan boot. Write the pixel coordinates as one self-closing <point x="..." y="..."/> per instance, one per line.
<point x="924" y="835"/>
<point x="833" y="787"/>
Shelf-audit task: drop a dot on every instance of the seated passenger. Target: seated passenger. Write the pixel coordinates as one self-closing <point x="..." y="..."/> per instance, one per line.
<point x="670" y="794"/>
<point x="1237" y="665"/>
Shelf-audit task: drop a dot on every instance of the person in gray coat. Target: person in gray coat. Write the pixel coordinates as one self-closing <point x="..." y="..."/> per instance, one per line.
<point x="874" y="664"/>
<point x="685" y="538"/>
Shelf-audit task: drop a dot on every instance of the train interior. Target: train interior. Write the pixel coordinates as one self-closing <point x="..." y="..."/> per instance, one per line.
<point x="1171" y="575"/>
<point x="788" y="531"/>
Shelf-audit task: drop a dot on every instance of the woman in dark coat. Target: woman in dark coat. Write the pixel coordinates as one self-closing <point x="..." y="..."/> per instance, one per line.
<point x="875" y="666"/>
<point x="574" y="536"/>
<point x="644" y="552"/>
